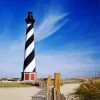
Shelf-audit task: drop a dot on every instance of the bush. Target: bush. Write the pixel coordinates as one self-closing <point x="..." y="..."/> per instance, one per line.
<point x="89" y="90"/>
<point x="61" y="83"/>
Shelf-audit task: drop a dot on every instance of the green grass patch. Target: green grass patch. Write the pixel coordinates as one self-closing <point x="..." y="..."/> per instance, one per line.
<point x="12" y="85"/>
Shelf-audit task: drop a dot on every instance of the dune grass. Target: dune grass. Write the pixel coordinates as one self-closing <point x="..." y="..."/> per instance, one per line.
<point x="12" y="85"/>
<point x="89" y="90"/>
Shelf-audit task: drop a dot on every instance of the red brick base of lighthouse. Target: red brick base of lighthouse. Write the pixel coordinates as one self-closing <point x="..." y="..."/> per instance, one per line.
<point x="29" y="76"/>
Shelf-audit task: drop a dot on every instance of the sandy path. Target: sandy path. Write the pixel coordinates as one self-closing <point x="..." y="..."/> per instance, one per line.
<point x="17" y="93"/>
<point x="26" y="93"/>
<point x="68" y="88"/>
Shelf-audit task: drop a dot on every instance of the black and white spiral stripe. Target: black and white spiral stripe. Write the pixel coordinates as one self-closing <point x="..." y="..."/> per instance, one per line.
<point x="29" y="62"/>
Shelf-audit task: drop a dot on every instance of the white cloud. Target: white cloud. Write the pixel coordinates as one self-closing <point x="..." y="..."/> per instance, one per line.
<point x="48" y="26"/>
<point x="69" y="63"/>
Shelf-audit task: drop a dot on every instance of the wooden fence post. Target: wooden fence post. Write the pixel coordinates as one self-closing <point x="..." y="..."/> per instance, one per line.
<point x="49" y="88"/>
<point x="49" y="81"/>
<point x="57" y="86"/>
<point x="57" y="82"/>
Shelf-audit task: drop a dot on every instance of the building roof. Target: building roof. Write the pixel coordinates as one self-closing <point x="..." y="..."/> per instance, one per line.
<point x="3" y="79"/>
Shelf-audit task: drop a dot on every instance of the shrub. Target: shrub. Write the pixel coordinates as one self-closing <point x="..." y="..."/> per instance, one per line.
<point x="89" y="90"/>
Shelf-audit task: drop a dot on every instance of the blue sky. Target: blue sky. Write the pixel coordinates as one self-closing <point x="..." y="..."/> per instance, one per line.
<point x="67" y="37"/>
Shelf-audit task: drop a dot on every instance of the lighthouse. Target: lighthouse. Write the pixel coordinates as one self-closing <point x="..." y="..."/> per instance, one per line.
<point x="29" y="67"/>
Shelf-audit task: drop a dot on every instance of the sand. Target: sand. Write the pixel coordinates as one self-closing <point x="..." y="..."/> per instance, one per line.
<point x="27" y="93"/>
<point x="17" y="93"/>
<point x="68" y="88"/>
